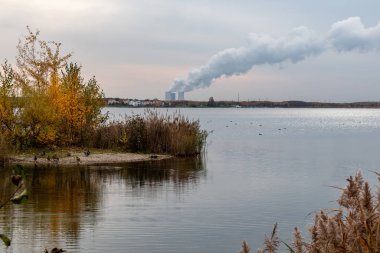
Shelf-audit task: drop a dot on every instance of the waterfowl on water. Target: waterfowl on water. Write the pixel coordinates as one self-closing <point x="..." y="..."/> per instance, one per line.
<point x="55" y="250"/>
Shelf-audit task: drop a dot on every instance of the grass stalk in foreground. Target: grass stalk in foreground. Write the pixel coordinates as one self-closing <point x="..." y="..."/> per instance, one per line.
<point x="353" y="227"/>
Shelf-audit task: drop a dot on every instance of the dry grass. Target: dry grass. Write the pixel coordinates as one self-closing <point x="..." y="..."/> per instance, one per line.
<point x="3" y="151"/>
<point x="152" y="132"/>
<point x="174" y="134"/>
<point x="353" y="227"/>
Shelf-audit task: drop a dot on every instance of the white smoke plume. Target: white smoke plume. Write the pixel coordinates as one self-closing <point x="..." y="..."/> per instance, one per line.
<point x="300" y="43"/>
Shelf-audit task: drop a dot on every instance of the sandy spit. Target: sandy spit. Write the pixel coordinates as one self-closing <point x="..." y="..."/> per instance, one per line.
<point x="105" y="158"/>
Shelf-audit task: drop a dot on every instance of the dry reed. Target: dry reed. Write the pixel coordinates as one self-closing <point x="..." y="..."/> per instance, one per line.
<point x="152" y="132"/>
<point x="3" y="151"/>
<point x="351" y="228"/>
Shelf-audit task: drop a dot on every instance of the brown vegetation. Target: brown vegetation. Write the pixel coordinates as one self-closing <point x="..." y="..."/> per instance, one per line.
<point x="3" y="151"/>
<point x="351" y="228"/>
<point x="152" y="132"/>
<point x="45" y="102"/>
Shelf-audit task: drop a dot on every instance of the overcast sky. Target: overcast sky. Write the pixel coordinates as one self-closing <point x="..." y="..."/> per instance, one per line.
<point x="136" y="49"/>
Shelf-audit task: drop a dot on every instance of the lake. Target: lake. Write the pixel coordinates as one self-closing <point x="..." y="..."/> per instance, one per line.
<point x="261" y="166"/>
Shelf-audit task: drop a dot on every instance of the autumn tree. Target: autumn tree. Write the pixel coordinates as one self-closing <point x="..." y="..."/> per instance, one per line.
<point x="55" y="105"/>
<point x="7" y="100"/>
<point x="38" y="62"/>
<point x="79" y="105"/>
<point x="94" y="102"/>
<point x="38" y="66"/>
<point x="69" y="103"/>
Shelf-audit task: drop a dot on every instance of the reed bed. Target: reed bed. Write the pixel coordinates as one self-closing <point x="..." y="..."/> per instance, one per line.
<point x="3" y="151"/>
<point x="354" y="227"/>
<point x="152" y="132"/>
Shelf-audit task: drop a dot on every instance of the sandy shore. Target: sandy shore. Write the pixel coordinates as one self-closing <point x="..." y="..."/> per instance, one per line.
<point x="105" y="158"/>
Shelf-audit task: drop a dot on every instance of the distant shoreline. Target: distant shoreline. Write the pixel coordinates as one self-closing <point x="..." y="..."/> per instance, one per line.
<point x="155" y="103"/>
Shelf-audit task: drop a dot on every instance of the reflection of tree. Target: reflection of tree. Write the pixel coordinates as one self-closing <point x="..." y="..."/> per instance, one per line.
<point x="67" y="192"/>
<point x="58" y="197"/>
<point x="6" y="188"/>
<point x="148" y="178"/>
<point x="179" y="172"/>
<point x="63" y="200"/>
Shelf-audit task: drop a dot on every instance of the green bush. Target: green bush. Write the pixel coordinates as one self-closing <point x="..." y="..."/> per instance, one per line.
<point x="136" y="134"/>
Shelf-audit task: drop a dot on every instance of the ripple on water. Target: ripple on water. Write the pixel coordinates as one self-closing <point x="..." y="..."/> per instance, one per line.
<point x="244" y="185"/>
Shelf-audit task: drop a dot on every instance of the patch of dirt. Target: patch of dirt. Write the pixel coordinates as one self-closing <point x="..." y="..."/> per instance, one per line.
<point x="80" y="158"/>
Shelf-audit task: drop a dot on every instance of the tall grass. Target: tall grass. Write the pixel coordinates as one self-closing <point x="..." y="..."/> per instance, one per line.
<point x="351" y="228"/>
<point x="3" y="151"/>
<point x="152" y="132"/>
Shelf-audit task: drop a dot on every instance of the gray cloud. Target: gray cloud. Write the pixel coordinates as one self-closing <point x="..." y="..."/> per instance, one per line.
<point x="109" y="36"/>
<point x="299" y="44"/>
<point x="350" y="34"/>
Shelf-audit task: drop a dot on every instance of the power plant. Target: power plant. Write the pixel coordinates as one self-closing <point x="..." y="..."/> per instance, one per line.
<point x="169" y="96"/>
<point x="181" y="95"/>
<point x="172" y="96"/>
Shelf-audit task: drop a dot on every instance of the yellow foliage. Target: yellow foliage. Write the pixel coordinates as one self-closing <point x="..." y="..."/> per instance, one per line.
<point x="54" y="104"/>
<point x="47" y="135"/>
<point x="6" y="101"/>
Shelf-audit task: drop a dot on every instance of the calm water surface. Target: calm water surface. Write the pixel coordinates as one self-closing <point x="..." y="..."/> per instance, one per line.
<point x="245" y="183"/>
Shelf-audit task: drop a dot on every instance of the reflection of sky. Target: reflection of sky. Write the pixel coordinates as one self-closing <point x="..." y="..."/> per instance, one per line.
<point x="252" y="181"/>
<point x="281" y="176"/>
<point x="137" y="48"/>
<point x="67" y="205"/>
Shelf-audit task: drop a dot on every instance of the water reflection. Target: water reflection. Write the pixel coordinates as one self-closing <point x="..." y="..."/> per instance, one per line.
<point x="65" y="203"/>
<point x="180" y="173"/>
<point x="59" y="199"/>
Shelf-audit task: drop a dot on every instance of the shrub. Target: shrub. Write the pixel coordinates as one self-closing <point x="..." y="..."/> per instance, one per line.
<point x="136" y="136"/>
<point x="109" y="136"/>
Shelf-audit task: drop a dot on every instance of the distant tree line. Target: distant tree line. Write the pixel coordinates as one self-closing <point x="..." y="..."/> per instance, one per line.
<point x="120" y="102"/>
